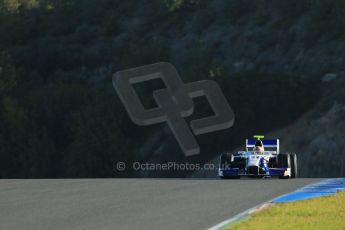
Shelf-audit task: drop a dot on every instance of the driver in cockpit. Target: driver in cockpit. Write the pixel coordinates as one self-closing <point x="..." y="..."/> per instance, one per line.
<point x="259" y="147"/>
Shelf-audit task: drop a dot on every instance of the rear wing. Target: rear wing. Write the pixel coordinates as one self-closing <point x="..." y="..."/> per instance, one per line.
<point x="268" y="143"/>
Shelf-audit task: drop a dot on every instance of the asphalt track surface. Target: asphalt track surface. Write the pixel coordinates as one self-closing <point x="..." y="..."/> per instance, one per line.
<point x="132" y="203"/>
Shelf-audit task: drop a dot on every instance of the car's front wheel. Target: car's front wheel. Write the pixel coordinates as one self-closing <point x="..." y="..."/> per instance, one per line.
<point x="293" y="161"/>
<point x="227" y="160"/>
<point x="284" y="162"/>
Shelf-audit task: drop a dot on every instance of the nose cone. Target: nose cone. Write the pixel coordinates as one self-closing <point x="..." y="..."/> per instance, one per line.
<point x="253" y="161"/>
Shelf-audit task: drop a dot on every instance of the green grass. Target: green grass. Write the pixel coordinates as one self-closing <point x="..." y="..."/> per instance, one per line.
<point x="326" y="212"/>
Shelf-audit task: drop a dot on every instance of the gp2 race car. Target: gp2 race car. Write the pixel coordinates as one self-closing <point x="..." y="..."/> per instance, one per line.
<point x="261" y="159"/>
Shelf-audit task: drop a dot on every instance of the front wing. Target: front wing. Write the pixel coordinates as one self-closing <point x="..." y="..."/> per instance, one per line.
<point x="272" y="172"/>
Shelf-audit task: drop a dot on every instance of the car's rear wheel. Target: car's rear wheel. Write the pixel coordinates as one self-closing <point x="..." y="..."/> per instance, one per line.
<point x="284" y="162"/>
<point x="293" y="161"/>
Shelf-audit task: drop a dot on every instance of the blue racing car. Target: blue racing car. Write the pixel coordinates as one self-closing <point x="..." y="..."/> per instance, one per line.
<point x="260" y="159"/>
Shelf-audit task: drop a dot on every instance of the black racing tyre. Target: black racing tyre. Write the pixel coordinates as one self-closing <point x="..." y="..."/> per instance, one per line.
<point x="284" y="162"/>
<point x="229" y="160"/>
<point x="294" y="168"/>
<point x="225" y="160"/>
<point x="238" y="162"/>
<point x="273" y="162"/>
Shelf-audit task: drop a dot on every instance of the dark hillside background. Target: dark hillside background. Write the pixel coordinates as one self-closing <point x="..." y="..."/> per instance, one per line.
<point x="277" y="62"/>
